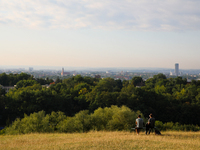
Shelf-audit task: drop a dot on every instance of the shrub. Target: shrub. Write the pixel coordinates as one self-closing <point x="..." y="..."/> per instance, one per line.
<point x="67" y="125"/>
<point x="2" y="132"/>
<point x="159" y="125"/>
<point x="112" y="118"/>
<point x="36" y="122"/>
<point x="15" y="128"/>
<point x="82" y="120"/>
<point x="55" y="118"/>
<point x="123" y="119"/>
<point x="79" y="123"/>
<point x="176" y="126"/>
<point x="168" y="126"/>
<point x="100" y="118"/>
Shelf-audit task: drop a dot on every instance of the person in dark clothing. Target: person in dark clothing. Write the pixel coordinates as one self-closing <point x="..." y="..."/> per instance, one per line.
<point x="150" y="124"/>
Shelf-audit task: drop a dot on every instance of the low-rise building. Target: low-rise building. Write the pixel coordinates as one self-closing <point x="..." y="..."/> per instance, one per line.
<point x="7" y="88"/>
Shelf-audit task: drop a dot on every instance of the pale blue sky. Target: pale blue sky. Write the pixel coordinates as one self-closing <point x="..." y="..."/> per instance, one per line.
<point x="109" y="33"/>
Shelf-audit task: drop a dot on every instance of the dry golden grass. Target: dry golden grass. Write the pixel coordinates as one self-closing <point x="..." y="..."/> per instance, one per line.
<point x="101" y="141"/>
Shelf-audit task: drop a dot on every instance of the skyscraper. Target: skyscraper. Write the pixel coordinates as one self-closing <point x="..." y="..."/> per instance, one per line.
<point x="176" y="69"/>
<point x="30" y="68"/>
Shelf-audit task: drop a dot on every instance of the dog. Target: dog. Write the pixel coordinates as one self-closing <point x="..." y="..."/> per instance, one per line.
<point x="157" y="132"/>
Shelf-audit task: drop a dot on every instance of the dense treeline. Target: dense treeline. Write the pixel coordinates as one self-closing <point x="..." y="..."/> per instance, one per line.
<point x="169" y="100"/>
<point x="13" y="79"/>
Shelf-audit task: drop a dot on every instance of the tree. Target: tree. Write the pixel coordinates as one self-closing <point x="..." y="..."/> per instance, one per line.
<point x="25" y="83"/>
<point x="159" y="76"/>
<point x="137" y="81"/>
<point x="4" y="79"/>
<point x="58" y="80"/>
<point x="103" y="94"/>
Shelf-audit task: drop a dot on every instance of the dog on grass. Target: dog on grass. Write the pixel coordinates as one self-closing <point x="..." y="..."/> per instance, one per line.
<point x="157" y="132"/>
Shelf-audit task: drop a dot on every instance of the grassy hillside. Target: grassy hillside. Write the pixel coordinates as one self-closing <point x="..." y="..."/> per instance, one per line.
<point x="101" y="141"/>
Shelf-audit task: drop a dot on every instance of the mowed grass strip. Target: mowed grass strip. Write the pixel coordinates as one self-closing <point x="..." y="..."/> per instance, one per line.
<point x="101" y="140"/>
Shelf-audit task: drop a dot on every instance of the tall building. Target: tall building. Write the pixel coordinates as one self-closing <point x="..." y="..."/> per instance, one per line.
<point x="30" y="68"/>
<point x="176" y="69"/>
<point x="64" y="73"/>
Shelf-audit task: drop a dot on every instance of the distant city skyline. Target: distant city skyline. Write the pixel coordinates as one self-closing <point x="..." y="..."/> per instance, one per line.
<point x="103" y="34"/>
<point x="68" y="68"/>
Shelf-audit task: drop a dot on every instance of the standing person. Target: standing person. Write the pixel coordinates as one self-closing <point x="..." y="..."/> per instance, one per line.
<point x="139" y="124"/>
<point x="150" y="124"/>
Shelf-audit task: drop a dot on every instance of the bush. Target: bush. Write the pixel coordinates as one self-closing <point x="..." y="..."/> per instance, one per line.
<point x="176" y="126"/>
<point x="36" y="122"/>
<point x="55" y="118"/>
<point x="159" y="125"/>
<point x="79" y="123"/>
<point x="168" y="126"/>
<point x="2" y="132"/>
<point x="15" y="128"/>
<point x="123" y="119"/>
<point x="114" y="118"/>
<point x="100" y="118"/>
<point x="109" y="118"/>
<point x="68" y="125"/>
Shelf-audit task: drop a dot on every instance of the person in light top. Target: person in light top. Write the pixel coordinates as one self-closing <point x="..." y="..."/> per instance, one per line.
<point x="139" y="124"/>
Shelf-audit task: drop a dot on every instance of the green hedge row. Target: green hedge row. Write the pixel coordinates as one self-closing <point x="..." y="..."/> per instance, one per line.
<point x="176" y="126"/>
<point x="111" y="119"/>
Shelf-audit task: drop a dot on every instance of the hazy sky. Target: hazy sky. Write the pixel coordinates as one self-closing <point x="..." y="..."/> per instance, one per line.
<point x="106" y="33"/>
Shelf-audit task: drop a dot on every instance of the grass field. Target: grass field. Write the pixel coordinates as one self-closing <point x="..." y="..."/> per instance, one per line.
<point x="101" y="141"/>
